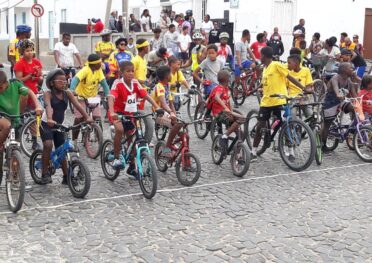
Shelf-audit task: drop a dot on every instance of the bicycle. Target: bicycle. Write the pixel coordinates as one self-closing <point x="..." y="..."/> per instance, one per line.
<point x="293" y="133"/>
<point x="239" y="151"/>
<point x="13" y="169"/>
<point x="191" y="98"/>
<point x="186" y="163"/>
<point x="145" y="167"/>
<point x="78" y="176"/>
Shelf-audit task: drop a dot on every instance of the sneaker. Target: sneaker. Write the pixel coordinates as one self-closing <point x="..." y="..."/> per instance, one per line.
<point x="253" y="158"/>
<point x="64" y="180"/>
<point x="132" y="171"/>
<point x="223" y="143"/>
<point x="118" y="164"/>
<point x="46" y="179"/>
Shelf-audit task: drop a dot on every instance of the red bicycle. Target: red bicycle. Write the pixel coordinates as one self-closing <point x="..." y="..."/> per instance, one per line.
<point x="187" y="165"/>
<point x="250" y="81"/>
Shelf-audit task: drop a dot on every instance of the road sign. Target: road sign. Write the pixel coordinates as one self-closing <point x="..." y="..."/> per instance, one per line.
<point x="37" y="10"/>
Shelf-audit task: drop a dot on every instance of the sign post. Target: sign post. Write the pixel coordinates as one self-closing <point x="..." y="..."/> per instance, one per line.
<point x="37" y="11"/>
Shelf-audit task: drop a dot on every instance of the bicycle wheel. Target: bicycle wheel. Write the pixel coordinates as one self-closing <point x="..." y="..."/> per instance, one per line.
<point x="201" y="128"/>
<point x="350" y="141"/>
<point x="296" y="145"/>
<point x="160" y="132"/>
<point x="319" y="152"/>
<point x="148" y="180"/>
<point x="332" y="140"/>
<point x="107" y="159"/>
<point x="216" y="129"/>
<point x="1" y="167"/>
<point x="28" y="136"/>
<point x="250" y="132"/>
<point x="319" y="88"/>
<point x="363" y="143"/>
<point x="240" y="159"/>
<point x="238" y="93"/>
<point x="161" y="162"/>
<point x="78" y="179"/>
<point x="188" y="169"/>
<point x="93" y="139"/>
<point x="147" y="125"/>
<point x="15" y="182"/>
<point x="192" y="103"/>
<point x="35" y="166"/>
<point x="216" y="150"/>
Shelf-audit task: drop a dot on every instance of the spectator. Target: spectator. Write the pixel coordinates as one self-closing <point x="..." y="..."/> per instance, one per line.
<point x="176" y="23"/>
<point x="342" y="39"/>
<point x="187" y="24"/>
<point x="164" y="23"/>
<point x="276" y="44"/>
<point x="258" y="45"/>
<point x="316" y="45"/>
<point x="170" y="40"/>
<point x="301" y="27"/>
<point x="157" y="58"/>
<point x="173" y="16"/>
<point x="205" y="37"/>
<point x="214" y="34"/>
<point x="64" y="53"/>
<point x="134" y="24"/>
<point x="119" y="24"/>
<point x="299" y="36"/>
<point x="348" y="44"/>
<point x="358" y="46"/>
<point x="330" y="49"/>
<point x="191" y="20"/>
<point x="131" y="47"/>
<point x="113" y="20"/>
<point x="90" y="26"/>
<point x="207" y="24"/>
<point x="146" y="21"/>
<point x="276" y="33"/>
<point x="98" y="25"/>
<point x="156" y="41"/>
<point x="22" y="33"/>
<point x="184" y="41"/>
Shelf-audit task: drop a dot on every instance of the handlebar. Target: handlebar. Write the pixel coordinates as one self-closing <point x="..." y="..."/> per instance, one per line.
<point x="282" y="96"/>
<point x="24" y="115"/>
<point x="63" y="128"/>
<point x="138" y="115"/>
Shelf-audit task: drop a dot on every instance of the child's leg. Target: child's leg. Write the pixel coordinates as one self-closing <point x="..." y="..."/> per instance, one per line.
<point x="173" y="133"/>
<point x="78" y="119"/>
<point x="47" y="149"/>
<point x="5" y="127"/>
<point x="59" y="139"/>
<point x="119" y="132"/>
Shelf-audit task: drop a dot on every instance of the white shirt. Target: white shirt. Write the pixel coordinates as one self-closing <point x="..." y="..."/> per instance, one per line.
<point x="146" y="21"/>
<point x="207" y="26"/>
<point x="184" y="41"/>
<point x="334" y="52"/>
<point x="66" y="54"/>
<point x="170" y="42"/>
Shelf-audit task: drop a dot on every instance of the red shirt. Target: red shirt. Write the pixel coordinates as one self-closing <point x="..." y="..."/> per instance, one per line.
<point x="225" y="97"/>
<point x="256" y="49"/>
<point x="367" y="96"/>
<point x="98" y="27"/>
<point x="121" y="92"/>
<point x="26" y="68"/>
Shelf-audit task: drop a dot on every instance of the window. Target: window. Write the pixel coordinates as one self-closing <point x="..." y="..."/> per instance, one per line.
<point x="63" y="16"/>
<point x="15" y="23"/>
<point x="24" y="18"/>
<point x="7" y="24"/>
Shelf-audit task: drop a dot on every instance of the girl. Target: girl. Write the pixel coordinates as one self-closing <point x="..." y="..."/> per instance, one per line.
<point x="366" y="92"/>
<point x="56" y="101"/>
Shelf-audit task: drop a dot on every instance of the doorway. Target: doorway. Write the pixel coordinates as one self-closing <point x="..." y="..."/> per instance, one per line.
<point x="367" y="34"/>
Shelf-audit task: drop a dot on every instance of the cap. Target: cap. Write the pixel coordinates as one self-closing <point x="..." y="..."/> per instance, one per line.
<point x="23" y="29"/>
<point x="106" y="32"/>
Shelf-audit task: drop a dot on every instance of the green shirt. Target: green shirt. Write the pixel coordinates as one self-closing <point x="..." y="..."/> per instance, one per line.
<point x="9" y="99"/>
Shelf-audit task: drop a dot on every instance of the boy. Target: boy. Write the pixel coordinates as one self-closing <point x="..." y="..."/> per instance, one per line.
<point x="104" y="48"/>
<point x="131" y="48"/>
<point x="123" y="100"/>
<point x="221" y="108"/>
<point x="210" y="66"/>
<point x="177" y="79"/>
<point x="184" y="41"/>
<point x="86" y="85"/>
<point x="10" y="95"/>
<point x="366" y="93"/>
<point x="156" y="41"/>
<point x="164" y="98"/>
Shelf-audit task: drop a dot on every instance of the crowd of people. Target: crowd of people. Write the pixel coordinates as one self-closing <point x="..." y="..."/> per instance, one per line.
<point x="121" y="69"/>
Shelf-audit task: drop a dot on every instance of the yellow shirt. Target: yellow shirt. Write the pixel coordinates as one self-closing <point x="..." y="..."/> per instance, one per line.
<point x="274" y="82"/>
<point x="176" y="77"/>
<point x="13" y="50"/>
<point x="105" y="48"/>
<point x="88" y="82"/>
<point x="140" y="68"/>
<point x="114" y="63"/>
<point x="303" y="76"/>
<point x="351" y="47"/>
<point x="160" y="91"/>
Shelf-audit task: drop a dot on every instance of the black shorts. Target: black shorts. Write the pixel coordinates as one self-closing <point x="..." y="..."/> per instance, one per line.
<point x="184" y="55"/>
<point x="265" y="113"/>
<point x="46" y="134"/>
<point x="128" y="125"/>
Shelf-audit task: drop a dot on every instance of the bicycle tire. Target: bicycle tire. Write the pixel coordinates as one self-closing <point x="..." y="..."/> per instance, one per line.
<point x="192" y="97"/>
<point x="282" y="139"/>
<point x="246" y="158"/>
<point x="179" y="169"/>
<point x="350" y="141"/>
<point x="147" y="123"/>
<point x="161" y="162"/>
<point x="72" y="179"/>
<point x="26" y="137"/>
<point x="154" y="179"/>
<point x="241" y="96"/>
<point x="216" y="151"/>
<point x="15" y="205"/>
<point x="220" y="129"/>
<point x="250" y="133"/>
<point x="35" y="155"/>
<point x="201" y="128"/>
<point x="107" y="149"/>
<point x="332" y="142"/>
<point x="319" y="151"/>
<point x="93" y="129"/>
<point x="160" y="132"/>
<point x="357" y="144"/>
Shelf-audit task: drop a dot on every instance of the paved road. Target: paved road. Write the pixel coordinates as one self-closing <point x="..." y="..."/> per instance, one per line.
<point x="271" y="215"/>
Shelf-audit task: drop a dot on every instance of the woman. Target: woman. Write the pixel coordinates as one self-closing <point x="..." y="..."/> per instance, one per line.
<point x="316" y="45"/>
<point x="207" y="24"/>
<point x="330" y="49"/>
<point x="118" y="57"/>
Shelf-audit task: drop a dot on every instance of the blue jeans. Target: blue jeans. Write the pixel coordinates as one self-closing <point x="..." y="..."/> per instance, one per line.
<point x="360" y="71"/>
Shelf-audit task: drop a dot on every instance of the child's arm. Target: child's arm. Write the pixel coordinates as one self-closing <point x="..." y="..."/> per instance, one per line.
<point x="78" y="107"/>
<point x="106" y="88"/>
<point x="295" y="81"/>
<point x="195" y="74"/>
<point x="219" y="101"/>
<point x="48" y="109"/>
<point x="111" y="100"/>
<point x="164" y="105"/>
<point x="38" y="108"/>
<point x="152" y="102"/>
<point x="74" y="82"/>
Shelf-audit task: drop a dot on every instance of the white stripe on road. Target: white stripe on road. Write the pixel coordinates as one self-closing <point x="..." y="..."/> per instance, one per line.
<point x="186" y="188"/>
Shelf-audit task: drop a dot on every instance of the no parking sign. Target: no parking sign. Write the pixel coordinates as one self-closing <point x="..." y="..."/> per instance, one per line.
<point x="37" y="10"/>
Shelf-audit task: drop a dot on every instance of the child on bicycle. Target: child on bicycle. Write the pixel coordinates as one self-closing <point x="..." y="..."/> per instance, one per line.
<point x="11" y="93"/>
<point x="56" y="99"/>
<point x="219" y="102"/>
<point x="86" y="85"/>
<point x="210" y="66"/>
<point x="366" y="94"/>
<point x="177" y="79"/>
<point x="164" y="99"/>
<point x="123" y="100"/>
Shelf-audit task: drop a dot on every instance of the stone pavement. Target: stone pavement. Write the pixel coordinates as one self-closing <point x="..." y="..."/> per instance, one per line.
<point x="270" y="215"/>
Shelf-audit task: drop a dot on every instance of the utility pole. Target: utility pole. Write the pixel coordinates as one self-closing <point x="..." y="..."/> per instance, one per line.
<point x="125" y="16"/>
<point x="108" y="10"/>
<point x="37" y="47"/>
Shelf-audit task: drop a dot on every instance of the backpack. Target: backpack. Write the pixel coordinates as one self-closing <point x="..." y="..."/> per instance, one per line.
<point x="211" y="98"/>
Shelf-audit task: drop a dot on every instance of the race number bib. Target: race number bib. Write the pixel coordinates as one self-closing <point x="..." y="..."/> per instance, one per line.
<point x="131" y="104"/>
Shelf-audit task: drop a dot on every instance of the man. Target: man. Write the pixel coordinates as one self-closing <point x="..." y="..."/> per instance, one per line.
<point x="214" y="34"/>
<point x="258" y="45"/>
<point x="301" y="27"/>
<point x="113" y="20"/>
<point x="276" y="33"/>
<point x="134" y="24"/>
<point x="104" y="49"/>
<point x="98" y="26"/>
<point x="276" y="44"/>
<point x="22" y="32"/>
<point x="146" y="21"/>
<point x="358" y="46"/>
<point x="170" y="40"/>
<point x="156" y="41"/>
<point x="157" y="58"/>
<point x="342" y="38"/>
<point x="64" y="53"/>
<point x="348" y="44"/>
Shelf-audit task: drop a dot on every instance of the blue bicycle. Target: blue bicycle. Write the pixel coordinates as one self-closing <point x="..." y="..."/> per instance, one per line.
<point x="145" y="166"/>
<point x="78" y="177"/>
